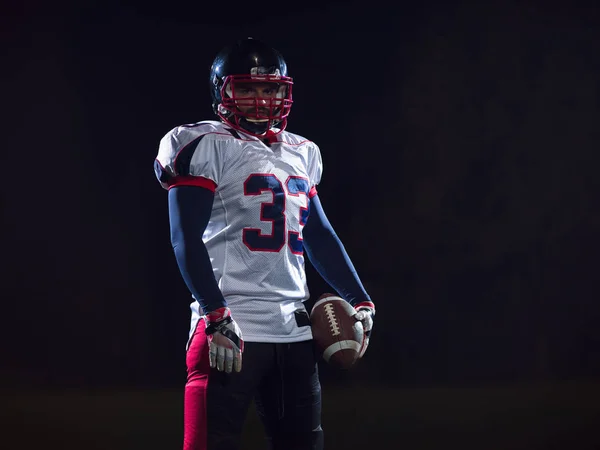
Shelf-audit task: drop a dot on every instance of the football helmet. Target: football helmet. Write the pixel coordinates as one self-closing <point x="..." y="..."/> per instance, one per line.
<point x="250" y="87"/>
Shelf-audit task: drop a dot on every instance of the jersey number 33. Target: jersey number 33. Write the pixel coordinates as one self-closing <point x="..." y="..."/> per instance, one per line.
<point x="275" y="212"/>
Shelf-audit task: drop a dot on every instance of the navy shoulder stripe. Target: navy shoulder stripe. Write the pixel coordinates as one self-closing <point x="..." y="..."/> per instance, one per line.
<point x="234" y="133"/>
<point x="184" y="157"/>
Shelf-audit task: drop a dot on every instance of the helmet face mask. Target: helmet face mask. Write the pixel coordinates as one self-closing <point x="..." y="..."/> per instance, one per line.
<point x="240" y="103"/>
<point x="250" y="88"/>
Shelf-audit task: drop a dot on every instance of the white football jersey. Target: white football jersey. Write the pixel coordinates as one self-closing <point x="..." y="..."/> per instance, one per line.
<point x="254" y="237"/>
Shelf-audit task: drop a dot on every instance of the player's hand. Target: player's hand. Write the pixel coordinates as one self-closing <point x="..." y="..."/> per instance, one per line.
<point x="365" y="312"/>
<point x="225" y="341"/>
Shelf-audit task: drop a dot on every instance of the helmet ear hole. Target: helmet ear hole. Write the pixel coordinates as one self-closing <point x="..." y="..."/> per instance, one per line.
<point x="222" y="111"/>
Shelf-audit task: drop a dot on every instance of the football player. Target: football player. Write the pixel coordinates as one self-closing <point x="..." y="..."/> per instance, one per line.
<point x="244" y="211"/>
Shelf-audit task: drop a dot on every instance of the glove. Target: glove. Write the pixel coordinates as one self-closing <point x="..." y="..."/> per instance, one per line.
<point x="225" y="341"/>
<point x="365" y="312"/>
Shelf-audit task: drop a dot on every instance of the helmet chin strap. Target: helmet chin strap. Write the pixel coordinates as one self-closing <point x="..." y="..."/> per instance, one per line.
<point x="257" y="127"/>
<point x="254" y="126"/>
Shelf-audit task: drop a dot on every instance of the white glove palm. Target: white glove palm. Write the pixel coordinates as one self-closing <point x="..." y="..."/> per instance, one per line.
<point x="225" y="341"/>
<point x="365" y="312"/>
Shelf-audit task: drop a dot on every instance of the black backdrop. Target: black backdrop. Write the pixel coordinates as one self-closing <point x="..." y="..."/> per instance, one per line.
<point x="460" y="147"/>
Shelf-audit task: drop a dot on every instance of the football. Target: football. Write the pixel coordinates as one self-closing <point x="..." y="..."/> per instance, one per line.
<point x="337" y="334"/>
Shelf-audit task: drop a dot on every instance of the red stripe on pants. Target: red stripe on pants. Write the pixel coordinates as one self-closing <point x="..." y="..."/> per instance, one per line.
<point x="194" y="411"/>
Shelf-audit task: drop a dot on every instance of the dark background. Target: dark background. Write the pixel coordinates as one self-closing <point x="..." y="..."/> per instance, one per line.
<point x="460" y="145"/>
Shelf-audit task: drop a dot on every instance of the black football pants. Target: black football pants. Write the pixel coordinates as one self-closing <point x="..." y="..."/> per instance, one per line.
<point x="283" y="381"/>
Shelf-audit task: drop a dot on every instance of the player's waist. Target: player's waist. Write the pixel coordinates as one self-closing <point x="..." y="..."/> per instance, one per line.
<point x="249" y="305"/>
<point x="267" y="321"/>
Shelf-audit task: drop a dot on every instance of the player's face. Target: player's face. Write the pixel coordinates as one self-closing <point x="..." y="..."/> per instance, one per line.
<point x="257" y="98"/>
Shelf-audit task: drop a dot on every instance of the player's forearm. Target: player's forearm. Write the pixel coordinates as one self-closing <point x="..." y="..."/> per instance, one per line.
<point x="329" y="257"/>
<point x="331" y="260"/>
<point x="189" y="213"/>
<point x="196" y="270"/>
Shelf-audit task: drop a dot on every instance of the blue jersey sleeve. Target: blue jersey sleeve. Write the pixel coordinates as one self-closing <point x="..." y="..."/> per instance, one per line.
<point x="327" y="254"/>
<point x="189" y="213"/>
